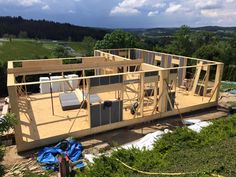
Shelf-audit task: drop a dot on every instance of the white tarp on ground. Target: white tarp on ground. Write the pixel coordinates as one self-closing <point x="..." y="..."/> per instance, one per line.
<point x="197" y="127"/>
<point x="148" y="140"/>
<point x="145" y="142"/>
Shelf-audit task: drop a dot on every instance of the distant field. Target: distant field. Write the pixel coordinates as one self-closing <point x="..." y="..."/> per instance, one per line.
<point x="31" y="49"/>
<point x="23" y="49"/>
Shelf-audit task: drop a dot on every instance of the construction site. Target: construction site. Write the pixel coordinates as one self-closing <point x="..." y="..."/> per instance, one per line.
<point x="57" y="98"/>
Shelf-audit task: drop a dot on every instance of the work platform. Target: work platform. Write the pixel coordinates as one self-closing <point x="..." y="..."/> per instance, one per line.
<point x="114" y="88"/>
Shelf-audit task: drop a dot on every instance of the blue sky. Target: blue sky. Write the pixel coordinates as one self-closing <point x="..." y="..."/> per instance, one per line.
<point x="126" y="13"/>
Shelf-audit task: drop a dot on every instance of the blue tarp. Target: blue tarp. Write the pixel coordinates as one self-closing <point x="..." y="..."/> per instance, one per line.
<point x="48" y="156"/>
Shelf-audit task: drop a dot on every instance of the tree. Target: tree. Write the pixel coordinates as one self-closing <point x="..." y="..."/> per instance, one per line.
<point x="60" y="52"/>
<point x="209" y="52"/>
<point x="7" y="122"/>
<point x="22" y="34"/>
<point x="202" y="38"/>
<point x="117" y="39"/>
<point x="182" y="44"/>
<point x="88" y="46"/>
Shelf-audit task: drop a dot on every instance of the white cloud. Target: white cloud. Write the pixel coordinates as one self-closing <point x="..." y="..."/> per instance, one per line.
<point x="129" y="7"/>
<point x="46" y="7"/>
<point x="153" y="13"/>
<point x="173" y="8"/>
<point x="218" y="13"/>
<point x="25" y="3"/>
<point x="159" y="5"/>
<point x="209" y="4"/>
<point x="122" y="10"/>
<point x="71" y="11"/>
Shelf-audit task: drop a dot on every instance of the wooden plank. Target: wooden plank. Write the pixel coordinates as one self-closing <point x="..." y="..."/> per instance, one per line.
<point x="218" y="77"/>
<point x="206" y="80"/>
<point x="148" y="67"/>
<point x="29" y="64"/>
<point x="162" y="105"/>
<point x="71" y="67"/>
<point x="141" y="94"/>
<point x="13" y="98"/>
<point x="106" y="88"/>
<point x="175" y="61"/>
<point x="23" y="146"/>
<point x="91" y="60"/>
<point x="196" y="78"/>
<point x="158" y="57"/>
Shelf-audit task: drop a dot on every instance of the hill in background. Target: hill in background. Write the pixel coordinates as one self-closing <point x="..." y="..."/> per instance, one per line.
<point x="42" y="29"/>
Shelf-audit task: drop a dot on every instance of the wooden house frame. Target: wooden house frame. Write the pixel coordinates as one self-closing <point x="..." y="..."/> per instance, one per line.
<point x="151" y="84"/>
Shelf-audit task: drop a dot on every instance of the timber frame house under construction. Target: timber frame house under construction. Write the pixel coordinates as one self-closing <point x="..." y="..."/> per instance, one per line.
<point x="57" y="98"/>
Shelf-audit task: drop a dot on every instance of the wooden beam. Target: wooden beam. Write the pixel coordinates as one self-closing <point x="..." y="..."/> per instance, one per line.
<point x="30" y="64"/>
<point x="13" y="98"/>
<point x="206" y="80"/>
<point x="196" y="78"/>
<point x="162" y="105"/>
<point x="106" y="88"/>
<point x="71" y="67"/>
<point x="218" y="77"/>
<point x="141" y="93"/>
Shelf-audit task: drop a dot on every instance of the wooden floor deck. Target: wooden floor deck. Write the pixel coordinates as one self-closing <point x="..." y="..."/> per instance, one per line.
<point x="37" y="121"/>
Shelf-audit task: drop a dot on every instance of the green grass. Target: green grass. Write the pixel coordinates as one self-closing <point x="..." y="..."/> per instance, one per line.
<point x="210" y="151"/>
<point x="77" y="46"/>
<point x="227" y="86"/>
<point x="23" y="49"/>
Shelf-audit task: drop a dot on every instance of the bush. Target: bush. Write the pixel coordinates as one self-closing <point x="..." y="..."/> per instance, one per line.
<point x="210" y="151"/>
<point x="7" y="122"/>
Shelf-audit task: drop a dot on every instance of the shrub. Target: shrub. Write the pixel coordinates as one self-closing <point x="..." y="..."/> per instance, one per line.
<point x="7" y="122"/>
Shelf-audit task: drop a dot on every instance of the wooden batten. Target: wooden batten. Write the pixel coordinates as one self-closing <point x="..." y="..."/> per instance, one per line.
<point x="163" y="91"/>
<point x="70" y="67"/>
<point x="29" y="64"/>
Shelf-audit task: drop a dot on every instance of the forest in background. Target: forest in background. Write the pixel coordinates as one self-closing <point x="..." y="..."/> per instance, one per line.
<point x="29" y="39"/>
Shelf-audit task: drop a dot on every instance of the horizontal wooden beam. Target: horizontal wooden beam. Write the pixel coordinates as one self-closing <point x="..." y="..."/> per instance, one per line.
<point x="71" y="67"/>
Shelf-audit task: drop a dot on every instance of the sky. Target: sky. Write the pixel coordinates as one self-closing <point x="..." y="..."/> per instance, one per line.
<point x="126" y="13"/>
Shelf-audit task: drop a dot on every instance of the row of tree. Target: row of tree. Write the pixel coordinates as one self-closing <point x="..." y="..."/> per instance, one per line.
<point x="200" y="44"/>
<point x="42" y="29"/>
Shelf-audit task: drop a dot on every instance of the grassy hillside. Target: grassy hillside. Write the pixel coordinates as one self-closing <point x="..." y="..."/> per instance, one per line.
<point x="19" y="49"/>
<point x="212" y="151"/>
<point x="24" y="49"/>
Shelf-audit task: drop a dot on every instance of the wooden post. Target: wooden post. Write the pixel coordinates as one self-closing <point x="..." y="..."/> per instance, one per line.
<point x="163" y="91"/>
<point x="218" y="77"/>
<point x="88" y="102"/>
<point x="13" y="98"/>
<point x="196" y="78"/>
<point x="206" y="80"/>
<point x="128" y="53"/>
<point x="155" y="95"/>
<point x="141" y="93"/>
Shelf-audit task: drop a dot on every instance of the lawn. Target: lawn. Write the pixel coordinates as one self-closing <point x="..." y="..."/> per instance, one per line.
<point x="210" y="152"/>
<point x="24" y="49"/>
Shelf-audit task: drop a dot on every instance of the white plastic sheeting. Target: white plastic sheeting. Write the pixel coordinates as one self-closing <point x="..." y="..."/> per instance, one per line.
<point x="148" y="140"/>
<point x="44" y="88"/>
<point x="73" y="83"/>
<point x="197" y="127"/>
<point x="145" y="142"/>
<point x="190" y="121"/>
<point x="57" y="86"/>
